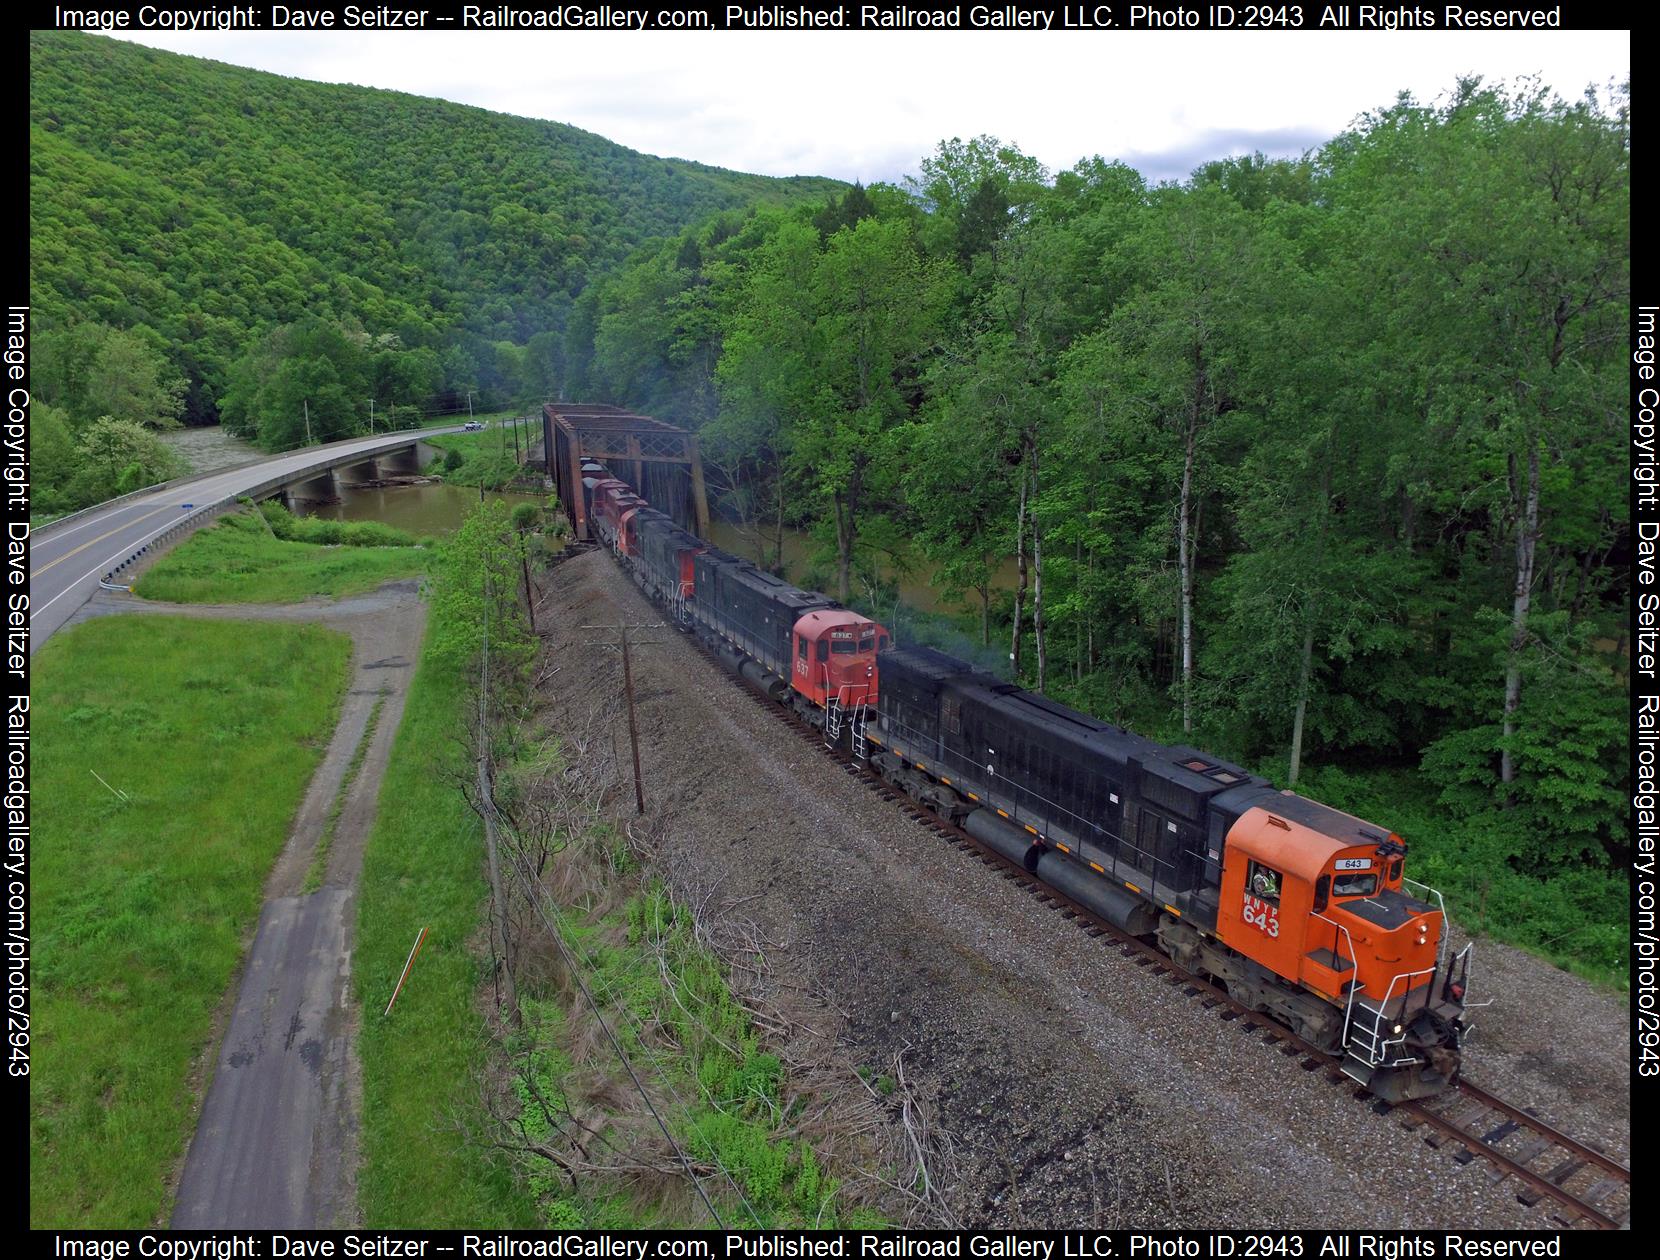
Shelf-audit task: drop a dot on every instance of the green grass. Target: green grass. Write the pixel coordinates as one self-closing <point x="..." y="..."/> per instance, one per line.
<point x="647" y="967"/>
<point x="238" y="562"/>
<point x="487" y="457"/>
<point x="424" y="867"/>
<point x="212" y="730"/>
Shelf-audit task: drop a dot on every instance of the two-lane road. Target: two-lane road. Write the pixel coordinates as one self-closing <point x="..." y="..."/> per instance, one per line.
<point x="66" y="561"/>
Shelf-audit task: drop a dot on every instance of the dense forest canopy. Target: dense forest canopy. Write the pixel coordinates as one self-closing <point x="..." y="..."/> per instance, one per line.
<point x="196" y="210"/>
<point x="1316" y="463"/>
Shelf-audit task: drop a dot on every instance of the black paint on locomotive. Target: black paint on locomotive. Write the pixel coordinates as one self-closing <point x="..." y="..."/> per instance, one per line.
<point x="752" y="607"/>
<point x="1132" y="810"/>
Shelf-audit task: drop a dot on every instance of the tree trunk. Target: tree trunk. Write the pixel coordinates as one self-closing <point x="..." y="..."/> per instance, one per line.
<point x="1305" y="668"/>
<point x="844" y="552"/>
<point x="778" y="524"/>
<point x="1184" y="562"/>
<point x="1078" y="626"/>
<point x="985" y="614"/>
<point x="1020" y="589"/>
<point x="1527" y="540"/>
<point x="1304" y="673"/>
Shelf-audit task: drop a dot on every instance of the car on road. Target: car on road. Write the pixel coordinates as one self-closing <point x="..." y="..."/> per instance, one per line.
<point x="472" y="426"/>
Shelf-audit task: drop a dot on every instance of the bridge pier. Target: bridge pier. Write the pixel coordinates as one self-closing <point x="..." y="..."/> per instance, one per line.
<point x="406" y="459"/>
<point x="359" y="474"/>
<point x="319" y="489"/>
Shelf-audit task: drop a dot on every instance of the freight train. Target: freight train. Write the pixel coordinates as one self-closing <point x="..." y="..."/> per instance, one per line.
<point x="1298" y="910"/>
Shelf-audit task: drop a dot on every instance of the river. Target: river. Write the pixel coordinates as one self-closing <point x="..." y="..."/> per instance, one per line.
<point x="430" y="509"/>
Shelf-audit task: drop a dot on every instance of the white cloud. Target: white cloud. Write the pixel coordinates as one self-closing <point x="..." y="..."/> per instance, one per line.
<point x="868" y="105"/>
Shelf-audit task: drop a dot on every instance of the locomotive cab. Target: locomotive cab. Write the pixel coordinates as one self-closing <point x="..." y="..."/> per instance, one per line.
<point x="628" y="538"/>
<point x="834" y="658"/>
<point x="1333" y="917"/>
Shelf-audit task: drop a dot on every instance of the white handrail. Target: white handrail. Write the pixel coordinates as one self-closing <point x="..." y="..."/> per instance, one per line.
<point x="1354" y="985"/>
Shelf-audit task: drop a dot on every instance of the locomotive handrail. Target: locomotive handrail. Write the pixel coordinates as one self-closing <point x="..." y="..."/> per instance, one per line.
<point x="1383" y="1008"/>
<point x="1464" y="955"/>
<point x="1354" y="985"/>
<point x="1441" y="905"/>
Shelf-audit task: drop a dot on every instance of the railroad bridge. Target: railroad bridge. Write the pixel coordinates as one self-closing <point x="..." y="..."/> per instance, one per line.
<point x="657" y="459"/>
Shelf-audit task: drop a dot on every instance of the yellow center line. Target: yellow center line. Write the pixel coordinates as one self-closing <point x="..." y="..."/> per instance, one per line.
<point x="34" y="573"/>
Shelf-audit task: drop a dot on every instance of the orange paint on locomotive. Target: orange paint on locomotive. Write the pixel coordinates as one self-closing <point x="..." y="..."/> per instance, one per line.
<point x="1282" y="905"/>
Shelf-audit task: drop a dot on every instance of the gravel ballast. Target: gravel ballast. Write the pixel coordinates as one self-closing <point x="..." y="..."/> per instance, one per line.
<point x="1079" y="1089"/>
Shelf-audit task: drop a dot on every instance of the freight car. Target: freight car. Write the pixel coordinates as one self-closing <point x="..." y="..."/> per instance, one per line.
<point x="1297" y="909"/>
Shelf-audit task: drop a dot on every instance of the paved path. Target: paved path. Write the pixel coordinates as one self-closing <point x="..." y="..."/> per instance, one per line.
<point x="276" y="1142"/>
<point x="66" y="561"/>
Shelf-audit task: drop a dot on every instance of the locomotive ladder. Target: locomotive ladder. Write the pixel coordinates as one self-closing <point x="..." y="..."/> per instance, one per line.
<point x="856" y="732"/>
<point x="854" y="715"/>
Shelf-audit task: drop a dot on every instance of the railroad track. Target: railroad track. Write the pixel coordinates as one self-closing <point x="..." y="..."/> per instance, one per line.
<point x="1575" y="1184"/>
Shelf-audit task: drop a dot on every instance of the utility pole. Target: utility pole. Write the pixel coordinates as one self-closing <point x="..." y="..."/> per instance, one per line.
<point x="306" y="403"/>
<point x="371" y="417"/>
<point x="628" y="697"/>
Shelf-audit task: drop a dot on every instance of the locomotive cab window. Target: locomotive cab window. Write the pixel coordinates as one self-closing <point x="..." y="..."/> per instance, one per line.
<point x="802" y="641"/>
<point x="1355" y="885"/>
<point x="1263" y="882"/>
<point x="843" y="647"/>
<point x="823" y="650"/>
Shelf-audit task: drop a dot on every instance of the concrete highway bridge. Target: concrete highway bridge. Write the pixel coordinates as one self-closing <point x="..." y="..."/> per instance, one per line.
<point x="69" y="557"/>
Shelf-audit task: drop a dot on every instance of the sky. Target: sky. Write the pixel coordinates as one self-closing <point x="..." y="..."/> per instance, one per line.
<point x="869" y="105"/>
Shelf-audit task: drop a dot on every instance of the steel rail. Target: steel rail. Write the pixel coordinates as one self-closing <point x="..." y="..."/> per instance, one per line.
<point x="1210" y="995"/>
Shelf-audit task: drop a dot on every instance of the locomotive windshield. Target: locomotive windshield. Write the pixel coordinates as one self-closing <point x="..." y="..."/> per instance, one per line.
<point x="1355" y="885"/>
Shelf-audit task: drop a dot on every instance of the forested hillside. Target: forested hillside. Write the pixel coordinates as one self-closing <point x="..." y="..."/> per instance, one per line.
<point x="1319" y="464"/>
<point x="186" y="212"/>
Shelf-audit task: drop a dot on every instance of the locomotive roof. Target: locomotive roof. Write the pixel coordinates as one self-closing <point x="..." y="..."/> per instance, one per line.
<point x="1325" y="819"/>
<point x="770" y="586"/>
<point x="937" y="666"/>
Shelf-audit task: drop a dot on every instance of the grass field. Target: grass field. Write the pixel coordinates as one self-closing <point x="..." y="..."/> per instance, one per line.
<point x="487" y="457"/>
<point x="145" y="890"/>
<point x="237" y="561"/>
<point x="424" y="868"/>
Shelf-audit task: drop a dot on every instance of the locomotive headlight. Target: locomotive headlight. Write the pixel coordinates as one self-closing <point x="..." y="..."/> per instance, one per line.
<point x="1399" y="1029"/>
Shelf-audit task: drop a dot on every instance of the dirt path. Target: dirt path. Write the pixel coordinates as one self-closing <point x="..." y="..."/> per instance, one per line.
<point x="276" y="1140"/>
<point x="1079" y="1090"/>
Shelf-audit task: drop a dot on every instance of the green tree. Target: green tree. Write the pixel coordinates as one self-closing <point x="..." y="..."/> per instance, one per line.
<point x="117" y="456"/>
<point x="476" y="597"/>
<point x="877" y="306"/>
